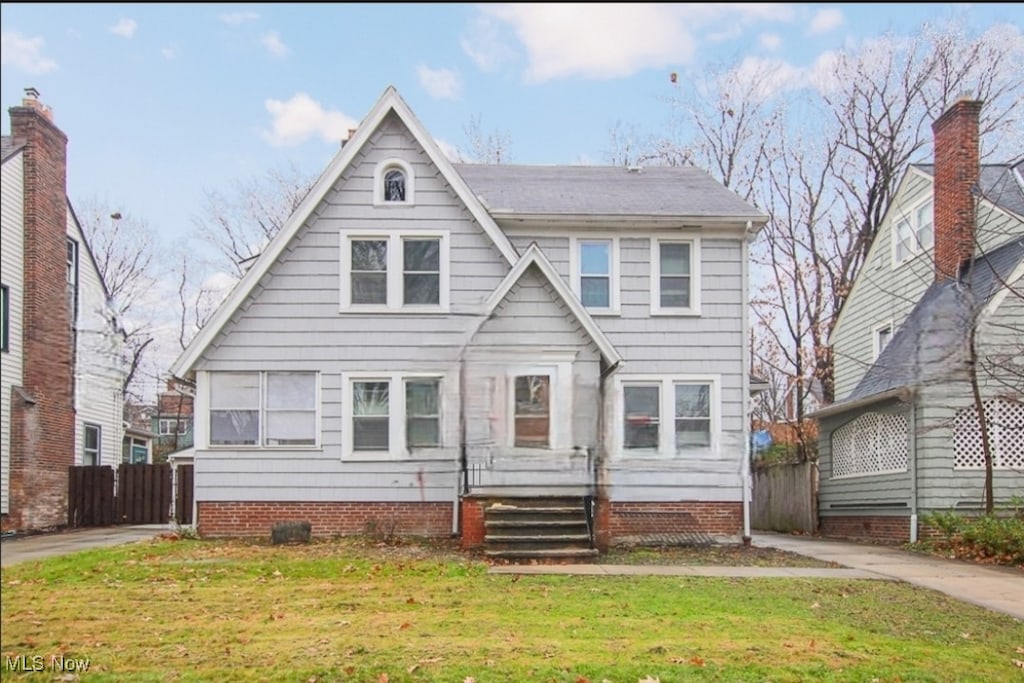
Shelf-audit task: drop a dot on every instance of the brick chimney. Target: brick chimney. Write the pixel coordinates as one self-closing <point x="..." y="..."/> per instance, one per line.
<point x="42" y="410"/>
<point x="957" y="169"/>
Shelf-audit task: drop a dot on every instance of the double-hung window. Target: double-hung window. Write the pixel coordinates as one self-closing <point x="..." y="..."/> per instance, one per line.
<point x="532" y="411"/>
<point x="675" y="276"/>
<point x="913" y="233"/>
<point x="594" y="266"/>
<point x="388" y="415"/>
<point x="264" y="409"/>
<point x="668" y="415"/>
<point x="882" y="337"/>
<point x="394" y="271"/>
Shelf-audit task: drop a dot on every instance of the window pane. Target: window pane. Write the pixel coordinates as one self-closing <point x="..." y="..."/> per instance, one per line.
<point x="421" y="289"/>
<point x="675" y="259"/>
<point x="394" y="186"/>
<point x="690" y="433"/>
<point x="92" y="438"/>
<point x="421" y="397"/>
<point x="532" y="395"/>
<point x="370" y="255"/>
<point x="235" y="390"/>
<point x="675" y="292"/>
<point x="370" y="398"/>
<point x="423" y="432"/>
<point x="532" y="432"/>
<point x="234" y="427"/>
<point x="693" y="400"/>
<point x="291" y="428"/>
<point x="369" y="288"/>
<point x="291" y="391"/>
<point x="641" y="417"/>
<point x="925" y="231"/>
<point x="422" y="255"/>
<point x="594" y="292"/>
<point x="370" y="433"/>
<point x="595" y="258"/>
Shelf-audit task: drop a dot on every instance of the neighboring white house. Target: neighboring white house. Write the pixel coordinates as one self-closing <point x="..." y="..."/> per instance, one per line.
<point x="62" y="349"/>
<point x="425" y="339"/>
<point x="948" y="259"/>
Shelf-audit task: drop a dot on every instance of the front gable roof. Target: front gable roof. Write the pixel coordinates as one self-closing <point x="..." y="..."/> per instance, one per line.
<point x="535" y="257"/>
<point x="389" y="102"/>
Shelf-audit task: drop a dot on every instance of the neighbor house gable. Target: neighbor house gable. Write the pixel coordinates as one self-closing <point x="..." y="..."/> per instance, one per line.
<point x="389" y="102"/>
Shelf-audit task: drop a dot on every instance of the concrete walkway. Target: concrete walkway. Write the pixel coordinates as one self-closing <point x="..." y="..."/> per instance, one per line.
<point x="26" y="548"/>
<point x="995" y="588"/>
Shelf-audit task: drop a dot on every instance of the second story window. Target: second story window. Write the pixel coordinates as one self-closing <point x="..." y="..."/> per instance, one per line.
<point x="913" y="233"/>
<point x="72" y="262"/>
<point x="675" y="277"/>
<point x="394" y="272"/>
<point x="594" y="266"/>
<point x="883" y="334"/>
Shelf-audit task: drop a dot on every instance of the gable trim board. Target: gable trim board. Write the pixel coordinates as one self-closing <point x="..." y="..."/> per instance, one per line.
<point x="389" y="102"/>
<point x="534" y="256"/>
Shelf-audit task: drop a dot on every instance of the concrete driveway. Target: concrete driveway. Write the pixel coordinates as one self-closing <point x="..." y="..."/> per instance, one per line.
<point x="26" y="548"/>
<point x="995" y="588"/>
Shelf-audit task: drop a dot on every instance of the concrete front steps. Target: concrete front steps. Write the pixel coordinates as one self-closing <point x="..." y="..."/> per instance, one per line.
<point x="543" y="530"/>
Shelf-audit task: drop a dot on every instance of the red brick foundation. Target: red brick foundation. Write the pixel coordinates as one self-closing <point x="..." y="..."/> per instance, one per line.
<point x="473" y="530"/>
<point x="636" y="520"/>
<point x="874" y="528"/>
<point x="251" y="519"/>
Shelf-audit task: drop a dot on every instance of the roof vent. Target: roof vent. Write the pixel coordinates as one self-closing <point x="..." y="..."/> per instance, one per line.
<point x="633" y="169"/>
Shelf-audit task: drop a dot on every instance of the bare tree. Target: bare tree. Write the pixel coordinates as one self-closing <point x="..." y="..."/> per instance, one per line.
<point x="239" y="224"/>
<point x="124" y="249"/>
<point x="485" y="148"/>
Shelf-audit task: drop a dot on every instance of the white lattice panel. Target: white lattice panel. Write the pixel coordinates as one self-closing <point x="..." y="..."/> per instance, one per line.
<point x="874" y="443"/>
<point x="1005" y="420"/>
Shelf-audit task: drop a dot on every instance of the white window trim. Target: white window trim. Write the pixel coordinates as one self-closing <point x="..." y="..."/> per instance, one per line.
<point x="378" y="183"/>
<point x="395" y="271"/>
<point x="666" y="416"/>
<point x="615" y="278"/>
<point x="397" y="446"/>
<point x="874" y="336"/>
<point x="560" y="401"/>
<point x="695" y="277"/>
<point x="86" y="426"/>
<point x="910" y="217"/>
<point x="261" y="445"/>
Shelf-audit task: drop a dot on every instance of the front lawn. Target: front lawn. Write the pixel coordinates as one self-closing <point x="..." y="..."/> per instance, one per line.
<point x="353" y="611"/>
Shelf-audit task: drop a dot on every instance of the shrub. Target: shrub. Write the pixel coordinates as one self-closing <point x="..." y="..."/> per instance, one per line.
<point x="989" y="538"/>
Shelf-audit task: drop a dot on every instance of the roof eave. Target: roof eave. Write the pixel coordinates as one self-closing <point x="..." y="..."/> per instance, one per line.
<point x="904" y="394"/>
<point x="508" y="216"/>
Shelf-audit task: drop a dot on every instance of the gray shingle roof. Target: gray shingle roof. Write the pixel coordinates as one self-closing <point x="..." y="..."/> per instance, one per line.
<point x="998" y="183"/>
<point x="935" y="333"/>
<point x="603" y="190"/>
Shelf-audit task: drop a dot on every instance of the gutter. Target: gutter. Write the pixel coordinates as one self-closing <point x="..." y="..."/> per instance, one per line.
<point x="903" y="394"/>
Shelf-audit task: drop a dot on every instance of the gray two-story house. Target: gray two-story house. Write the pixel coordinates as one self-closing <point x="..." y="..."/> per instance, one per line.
<point x="942" y="282"/>
<point x="426" y="344"/>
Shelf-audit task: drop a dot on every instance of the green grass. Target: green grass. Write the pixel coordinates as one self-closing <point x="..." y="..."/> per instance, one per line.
<point x="355" y="611"/>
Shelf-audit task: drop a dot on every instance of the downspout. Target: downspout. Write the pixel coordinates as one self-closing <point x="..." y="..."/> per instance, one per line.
<point x="745" y="337"/>
<point x="462" y="479"/>
<point x="912" y="428"/>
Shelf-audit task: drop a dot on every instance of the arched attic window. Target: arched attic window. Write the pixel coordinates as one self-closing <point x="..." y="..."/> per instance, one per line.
<point x="393" y="183"/>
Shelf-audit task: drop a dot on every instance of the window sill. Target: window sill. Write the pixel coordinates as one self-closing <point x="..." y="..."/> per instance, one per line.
<point x="604" y="312"/>
<point x="675" y="312"/>
<point x="439" y="453"/>
<point x="251" y="447"/>
<point x="404" y="310"/>
<point x="393" y="205"/>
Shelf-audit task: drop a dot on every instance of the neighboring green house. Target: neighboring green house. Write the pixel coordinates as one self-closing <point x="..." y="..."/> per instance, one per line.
<point x="172" y="421"/>
<point x="947" y="263"/>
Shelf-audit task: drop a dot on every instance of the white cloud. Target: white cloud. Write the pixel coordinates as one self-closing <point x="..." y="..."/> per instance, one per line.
<point x="826" y="20"/>
<point x="169" y="53"/>
<point x="236" y="18"/>
<point x="613" y="41"/>
<point x="300" y="118"/>
<point x="441" y="84"/>
<point x="124" y="28"/>
<point x="770" y="41"/>
<point x="272" y="41"/>
<point x="24" y="53"/>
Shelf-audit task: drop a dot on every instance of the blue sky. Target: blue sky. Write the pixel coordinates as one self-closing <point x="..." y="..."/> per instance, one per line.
<point x="163" y="101"/>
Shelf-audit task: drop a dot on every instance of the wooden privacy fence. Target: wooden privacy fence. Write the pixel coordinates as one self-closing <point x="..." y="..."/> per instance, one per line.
<point x="139" y="494"/>
<point x="785" y="497"/>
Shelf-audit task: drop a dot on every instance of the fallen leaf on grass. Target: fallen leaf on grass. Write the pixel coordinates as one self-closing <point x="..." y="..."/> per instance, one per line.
<point x="965" y="636"/>
<point x="404" y="626"/>
<point x="816" y="606"/>
<point x="648" y="679"/>
<point x="411" y="601"/>
<point x="412" y="669"/>
<point x="1018" y="663"/>
<point x="1020" y="650"/>
<point x="383" y="678"/>
<point x="468" y="679"/>
<point x="697" y="661"/>
<point x="582" y="679"/>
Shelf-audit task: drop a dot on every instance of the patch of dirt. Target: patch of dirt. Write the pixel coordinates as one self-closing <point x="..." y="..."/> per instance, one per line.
<point x="712" y="556"/>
